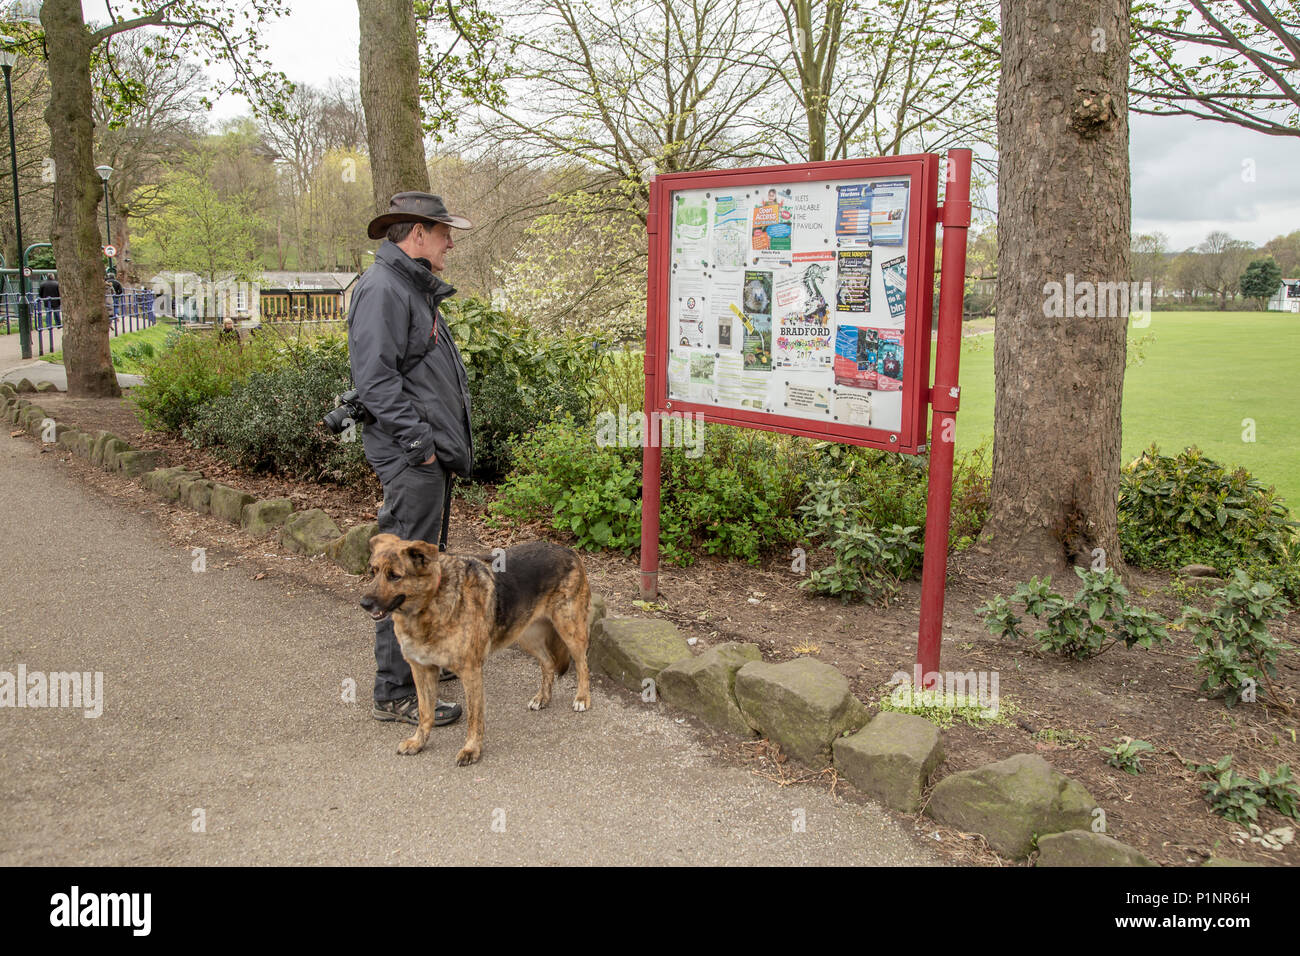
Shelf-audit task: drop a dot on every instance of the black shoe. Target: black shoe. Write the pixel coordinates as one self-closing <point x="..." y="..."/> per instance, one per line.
<point x="407" y="710"/>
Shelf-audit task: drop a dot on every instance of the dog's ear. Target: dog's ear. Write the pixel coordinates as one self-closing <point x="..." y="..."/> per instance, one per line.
<point x="421" y="554"/>
<point x="382" y="540"/>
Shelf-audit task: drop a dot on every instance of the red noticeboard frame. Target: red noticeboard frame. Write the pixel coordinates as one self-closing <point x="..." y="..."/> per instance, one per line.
<point x="924" y="215"/>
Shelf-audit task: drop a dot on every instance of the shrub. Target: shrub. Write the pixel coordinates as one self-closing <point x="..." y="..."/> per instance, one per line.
<point x="269" y="422"/>
<point x="1240" y="799"/>
<point x="191" y="370"/>
<point x="1127" y="754"/>
<point x="1191" y="509"/>
<point x="519" y="378"/>
<point x="1237" y="651"/>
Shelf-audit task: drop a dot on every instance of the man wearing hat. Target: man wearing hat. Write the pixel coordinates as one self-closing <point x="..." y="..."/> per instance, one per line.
<point x="410" y="377"/>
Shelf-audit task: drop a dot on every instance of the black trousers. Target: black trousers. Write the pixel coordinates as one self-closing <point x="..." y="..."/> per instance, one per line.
<point x="415" y="505"/>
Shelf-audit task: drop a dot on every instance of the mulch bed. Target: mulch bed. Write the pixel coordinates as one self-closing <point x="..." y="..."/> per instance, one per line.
<point x="1064" y="710"/>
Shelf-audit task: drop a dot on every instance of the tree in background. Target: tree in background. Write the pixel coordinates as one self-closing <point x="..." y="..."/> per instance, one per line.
<point x="215" y="29"/>
<point x="1222" y="260"/>
<point x="1261" y="281"/>
<point x="1285" y="251"/>
<point x="1062" y="109"/>
<point x="1234" y="62"/>
<point x="31" y="93"/>
<point x="919" y="74"/>
<point x="1149" y="254"/>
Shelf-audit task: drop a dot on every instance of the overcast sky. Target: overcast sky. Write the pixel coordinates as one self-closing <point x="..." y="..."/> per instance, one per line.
<point x="1189" y="176"/>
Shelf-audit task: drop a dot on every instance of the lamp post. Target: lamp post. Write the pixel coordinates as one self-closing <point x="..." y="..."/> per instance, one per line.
<point x="7" y="60"/>
<point x="110" y="271"/>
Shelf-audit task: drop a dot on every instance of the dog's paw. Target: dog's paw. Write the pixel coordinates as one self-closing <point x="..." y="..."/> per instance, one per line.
<point x="467" y="756"/>
<point x="538" y="702"/>
<point x="411" y="745"/>
<point x="581" y="703"/>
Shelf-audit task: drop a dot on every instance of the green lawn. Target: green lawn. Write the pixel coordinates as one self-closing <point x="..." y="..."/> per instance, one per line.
<point x="155" y="335"/>
<point x="1203" y="373"/>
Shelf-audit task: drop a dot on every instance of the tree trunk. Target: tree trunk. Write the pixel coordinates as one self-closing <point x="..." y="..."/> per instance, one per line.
<point x="1063" y="218"/>
<point x="390" y="97"/>
<point x="77" y="192"/>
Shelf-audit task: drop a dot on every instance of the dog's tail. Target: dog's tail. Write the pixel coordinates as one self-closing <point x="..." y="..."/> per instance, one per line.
<point x="559" y="653"/>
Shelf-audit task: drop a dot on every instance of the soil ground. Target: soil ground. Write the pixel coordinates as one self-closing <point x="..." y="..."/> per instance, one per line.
<point x="1064" y="710"/>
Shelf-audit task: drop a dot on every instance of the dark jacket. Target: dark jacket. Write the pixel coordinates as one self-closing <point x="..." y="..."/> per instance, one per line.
<point x="408" y="371"/>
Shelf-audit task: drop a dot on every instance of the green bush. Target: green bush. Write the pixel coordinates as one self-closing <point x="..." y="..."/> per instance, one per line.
<point x="1240" y="799"/>
<point x="1237" y="652"/>
<point x="270" y="422"/>
<point x="519" y="378"/>
<point x="191" y="370"/>
<point x="1190" y="509"/>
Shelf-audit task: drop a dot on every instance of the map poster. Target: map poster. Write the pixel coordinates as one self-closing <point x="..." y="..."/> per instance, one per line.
<point x="894" y="272"/>
<point x="889" y="359"/>
<point x="730" y="232"/>
<point x="855" y="356"/>
<point x="853" y="285"/>
<point x="853" y="215"/>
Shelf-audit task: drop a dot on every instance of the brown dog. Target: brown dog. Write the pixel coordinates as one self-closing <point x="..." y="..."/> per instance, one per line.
<point x="453" y="611"/>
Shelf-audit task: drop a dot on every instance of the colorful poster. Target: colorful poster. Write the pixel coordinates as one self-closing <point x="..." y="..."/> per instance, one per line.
<point x="730" y="232"/>
<point x="888" y="212"/>
<point x="803" y="326"/>
<point x="889" y="359"/>
<point x="853" y="215"/>
<point x="756" y="317"/>
<point x="855" y="356"/>
<point x="770" y="239"/>
<point x="691" y="231"/>
<point x="853" y="283"/>
<point x="894" y="272"/>
<point x="852" y="407"/>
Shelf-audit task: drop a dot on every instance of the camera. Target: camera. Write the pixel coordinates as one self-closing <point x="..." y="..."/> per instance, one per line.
<point x="349" y="411"/>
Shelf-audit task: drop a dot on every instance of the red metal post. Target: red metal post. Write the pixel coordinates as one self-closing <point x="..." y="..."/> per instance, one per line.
<point x="651" y="456"/>
<point x="944" y="399"/>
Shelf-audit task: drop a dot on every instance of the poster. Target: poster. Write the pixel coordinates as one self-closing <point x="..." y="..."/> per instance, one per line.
<point x="806" y="398"/>
<point x="894" y="272"/>
<point x="888" y="212"/>
<point x="853" y="281"/>
<point x="756" y="317"/>
<point x="853" y="215"/>
<point x="730" y="232"/>
<point x="852" y="407"/>
<point x="889" y="359"/>
<point x="691" y="231"/>
<point x="771" y="227"/>
<point x="855" y="356"/>
<point x="803" y="336"/>
<point x="703" y="386"/>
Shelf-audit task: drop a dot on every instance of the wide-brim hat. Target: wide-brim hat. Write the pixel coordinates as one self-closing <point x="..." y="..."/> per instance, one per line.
<point x="415" y="207"/>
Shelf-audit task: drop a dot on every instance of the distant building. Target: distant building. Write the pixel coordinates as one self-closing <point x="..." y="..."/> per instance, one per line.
<point x="1287" y="298"/>
<point x="303" y="296"/>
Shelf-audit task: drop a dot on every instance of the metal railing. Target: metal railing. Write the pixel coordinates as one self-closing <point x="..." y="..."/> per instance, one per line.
<point x="128" y="312"/>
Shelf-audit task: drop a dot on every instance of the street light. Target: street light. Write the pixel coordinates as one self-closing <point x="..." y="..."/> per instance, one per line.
<point x="104" y="172"/>
<point x="8" y="57"/>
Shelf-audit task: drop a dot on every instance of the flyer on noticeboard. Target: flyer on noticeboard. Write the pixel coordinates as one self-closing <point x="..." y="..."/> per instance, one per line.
<point x="791" y="298"/>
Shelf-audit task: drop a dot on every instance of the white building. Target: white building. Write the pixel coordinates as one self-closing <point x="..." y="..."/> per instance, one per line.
<point x="1287" y="298"/>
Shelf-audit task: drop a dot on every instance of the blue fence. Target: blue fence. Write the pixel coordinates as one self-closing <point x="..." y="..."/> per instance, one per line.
<point x="128" y="312"/>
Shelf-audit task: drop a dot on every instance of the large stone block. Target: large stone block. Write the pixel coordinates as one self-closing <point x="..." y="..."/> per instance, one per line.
<point x="263" y="517"/>
<point x="1085" y="848"/>
<point x="109" y="451"/>
<point x="196" y="494"/>
<point x="228" y="503"/>
<point x="308" y="532"/>
<point x="97" y="450"/>
<point x="1011" y="802"/>
<point x="134" y="463"/>
<point x="891" y="758"/>
<point x="803" y="705"/>
<point x="351" y="551"/>
<point x="705" y="685"/>
<point x="631" y="650"/>
<point x="46" y="387"/>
